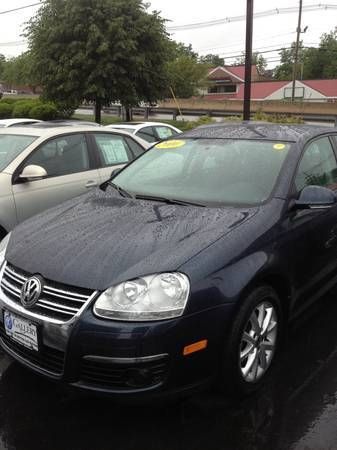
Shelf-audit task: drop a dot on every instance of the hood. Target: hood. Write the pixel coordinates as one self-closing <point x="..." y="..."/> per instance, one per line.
<point x="101" y="238"/>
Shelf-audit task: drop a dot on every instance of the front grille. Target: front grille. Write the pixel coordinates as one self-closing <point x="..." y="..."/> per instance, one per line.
<point x="123" y="376"/>
<point x="56" y="301"/>
<point x="46" y="358"/>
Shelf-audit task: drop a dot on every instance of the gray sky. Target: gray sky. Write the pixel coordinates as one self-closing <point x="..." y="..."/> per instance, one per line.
<point x="226" y="39"/>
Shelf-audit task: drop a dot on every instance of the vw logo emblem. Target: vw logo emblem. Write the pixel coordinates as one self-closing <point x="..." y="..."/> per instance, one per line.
<point x="30" y="292"/>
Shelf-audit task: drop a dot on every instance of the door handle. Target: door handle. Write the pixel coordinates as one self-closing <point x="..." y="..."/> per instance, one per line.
<point x="91" y="184"/>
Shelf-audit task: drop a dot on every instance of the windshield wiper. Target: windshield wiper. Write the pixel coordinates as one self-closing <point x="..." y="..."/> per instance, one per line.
<point x="171" y="201"/>
<point x="121" y="191"/>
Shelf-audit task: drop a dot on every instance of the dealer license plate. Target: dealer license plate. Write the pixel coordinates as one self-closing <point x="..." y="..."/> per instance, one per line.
<point x="20" y="330"/>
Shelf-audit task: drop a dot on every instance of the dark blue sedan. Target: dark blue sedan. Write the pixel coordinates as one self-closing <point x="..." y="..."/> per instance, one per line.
<point x="183" y="269"/>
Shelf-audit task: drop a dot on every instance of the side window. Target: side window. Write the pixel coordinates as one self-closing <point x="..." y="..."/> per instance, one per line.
<point x="113" y="149"/>
<point x="135" y="147"/>
<point x="318" y="166"/>
<point x="62" y="156"/>
<point x="165" y="132"/>
<point x="148" y="134"/>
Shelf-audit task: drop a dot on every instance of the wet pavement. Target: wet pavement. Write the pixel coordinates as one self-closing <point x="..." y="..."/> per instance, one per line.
<point x="296" y="410"/>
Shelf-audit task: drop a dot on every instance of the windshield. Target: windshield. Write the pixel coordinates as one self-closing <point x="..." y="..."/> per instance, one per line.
<point x="208" y="171"/>
<point x="11" y="145"/>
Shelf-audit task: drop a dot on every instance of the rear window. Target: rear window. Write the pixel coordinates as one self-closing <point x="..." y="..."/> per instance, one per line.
<point x="11" y="145"/>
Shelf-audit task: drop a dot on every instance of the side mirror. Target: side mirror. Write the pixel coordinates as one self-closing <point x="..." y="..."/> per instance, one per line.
<point x="32" y="172"/>
<point x="316" y="197"/>
<point x="115" y="172"/>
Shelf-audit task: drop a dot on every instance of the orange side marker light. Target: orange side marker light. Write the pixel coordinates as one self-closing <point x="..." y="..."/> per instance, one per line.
<point x="196" y="347"/>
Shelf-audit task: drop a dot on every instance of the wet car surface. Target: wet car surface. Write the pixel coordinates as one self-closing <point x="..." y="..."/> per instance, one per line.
<point x="295" y="410"/>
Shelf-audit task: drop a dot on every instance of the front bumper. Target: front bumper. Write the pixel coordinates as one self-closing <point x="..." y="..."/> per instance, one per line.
<point x="122" y="358"/>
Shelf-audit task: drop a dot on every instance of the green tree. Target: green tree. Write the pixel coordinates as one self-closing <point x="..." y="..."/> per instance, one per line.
<point x="313" y="62"/>
<point x="327" y="54"/>
<point x="212" y="60"/>
<point x="257" y="59"/>
<point x="180" y="49"/>
<point x="184" y="71"/>
<point x="186" y="76"/>
<point x="18" y="70"/>
<point x="101" y="51"/>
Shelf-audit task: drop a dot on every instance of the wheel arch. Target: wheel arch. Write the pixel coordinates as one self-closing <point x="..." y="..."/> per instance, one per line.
<point x="277" y="281"/>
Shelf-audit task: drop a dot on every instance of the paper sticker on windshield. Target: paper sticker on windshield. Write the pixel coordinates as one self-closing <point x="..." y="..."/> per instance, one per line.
<point x="279" y="146"/>
<point x="174" y="143"/>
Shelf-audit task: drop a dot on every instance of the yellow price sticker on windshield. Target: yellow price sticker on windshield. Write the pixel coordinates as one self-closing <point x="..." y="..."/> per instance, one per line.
<point x="279" y="146"/>
<point x="174" y="143"/>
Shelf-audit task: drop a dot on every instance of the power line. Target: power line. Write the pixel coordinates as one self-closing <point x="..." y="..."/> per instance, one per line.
<point x="21" y="7"/>
<point x="239" y="43"/>
<point x="259" y="15"/>
<point x="12" y="43"/>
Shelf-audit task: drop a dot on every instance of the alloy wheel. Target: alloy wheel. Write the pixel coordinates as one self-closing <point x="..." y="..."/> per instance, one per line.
<point x="258" y="342"/>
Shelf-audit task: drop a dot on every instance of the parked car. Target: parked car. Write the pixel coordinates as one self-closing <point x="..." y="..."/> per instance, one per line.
<point x="183" y="269"/>
<point x="41" y="167"/>
<point x="149" y="131"/>
<point x="5" y="123"/>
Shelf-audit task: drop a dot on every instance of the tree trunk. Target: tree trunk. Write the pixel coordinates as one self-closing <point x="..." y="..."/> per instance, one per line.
<point x="128" y="114"/>
<point x="98" y="107"/>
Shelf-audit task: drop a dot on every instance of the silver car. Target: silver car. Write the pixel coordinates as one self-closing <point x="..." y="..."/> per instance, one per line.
<point x="41" y="167"/>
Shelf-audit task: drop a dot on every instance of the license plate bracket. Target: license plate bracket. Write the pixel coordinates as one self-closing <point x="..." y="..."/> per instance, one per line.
<point x="21" y="330"/>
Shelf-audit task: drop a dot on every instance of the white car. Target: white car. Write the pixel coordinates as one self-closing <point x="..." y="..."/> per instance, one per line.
<point x="149" y="131"/>
<point x="41" y="167"/>
<point x="4" y="123"/>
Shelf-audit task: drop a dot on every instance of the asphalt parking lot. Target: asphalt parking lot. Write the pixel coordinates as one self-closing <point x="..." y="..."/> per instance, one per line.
<point x="296" y="410"/>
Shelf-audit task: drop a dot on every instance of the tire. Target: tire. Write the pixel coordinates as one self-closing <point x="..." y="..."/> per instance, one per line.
<point x="250" y="349"/>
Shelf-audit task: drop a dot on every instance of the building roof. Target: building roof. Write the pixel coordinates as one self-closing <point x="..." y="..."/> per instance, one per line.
<point x="325" y="87"/>
<point x="230" y="72"/>
<point x="263" y="89"/>
<point x="251" y="130"/>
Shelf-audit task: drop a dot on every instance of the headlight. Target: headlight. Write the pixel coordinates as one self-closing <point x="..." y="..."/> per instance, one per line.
<point x="154" y="297"/>
<point x="3" y="248"/>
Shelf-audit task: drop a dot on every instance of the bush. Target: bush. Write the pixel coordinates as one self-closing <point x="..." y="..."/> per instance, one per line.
<point x="66" y="109"/>
<point x="277" y="118"/>
<point x="44" y="111"/>
<point x="14" y="99"/>
<point x="22" y="108"/>
<point x="5" y="110"/>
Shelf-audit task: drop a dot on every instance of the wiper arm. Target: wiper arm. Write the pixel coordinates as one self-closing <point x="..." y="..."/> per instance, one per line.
<point x="121" y="191"/>
<point x="171" y="201"/>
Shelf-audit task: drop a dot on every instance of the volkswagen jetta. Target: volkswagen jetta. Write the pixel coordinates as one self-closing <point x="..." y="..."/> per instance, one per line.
<point x="182" y="269"/>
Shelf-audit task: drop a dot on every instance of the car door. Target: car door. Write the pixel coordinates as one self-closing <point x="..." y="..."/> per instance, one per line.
<point x="314" y="243"/>
<point x="113" y="151"/>
<point x="70" y="171"/>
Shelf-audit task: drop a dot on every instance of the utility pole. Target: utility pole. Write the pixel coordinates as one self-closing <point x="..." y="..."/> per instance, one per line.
<point x="296" y="50"/>
<point x="248" y="60"/>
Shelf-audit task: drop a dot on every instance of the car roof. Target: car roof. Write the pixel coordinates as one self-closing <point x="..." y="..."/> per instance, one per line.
<point x="258" y="130"/>
<point x="8" y="122"/>
<point x="138" y="125"/>
<point x="51" y="131"/>
<point x="63" y="123"/>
